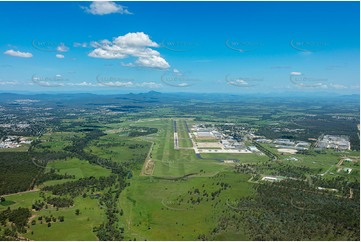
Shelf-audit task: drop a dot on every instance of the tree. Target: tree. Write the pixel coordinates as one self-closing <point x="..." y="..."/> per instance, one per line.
<point x="77" y="212"/>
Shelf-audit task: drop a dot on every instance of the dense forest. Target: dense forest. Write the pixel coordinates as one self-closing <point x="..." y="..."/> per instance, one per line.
<point x="17" y="172"/>
<point x="292" y="209"/>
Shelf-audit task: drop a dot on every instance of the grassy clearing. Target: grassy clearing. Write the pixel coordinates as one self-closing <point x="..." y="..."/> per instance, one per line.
<point x="74" y="227"/>
<point x="153" y="209"/>
<point x="151" y="206"/>
<point x="78" y="168"/>
<point x="24" y="199"/>
<point x="119" y="148"/>
<point x="56" y="141"/>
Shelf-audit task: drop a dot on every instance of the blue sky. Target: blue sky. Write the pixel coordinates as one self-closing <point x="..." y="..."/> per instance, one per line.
<point x="228" y="47"/>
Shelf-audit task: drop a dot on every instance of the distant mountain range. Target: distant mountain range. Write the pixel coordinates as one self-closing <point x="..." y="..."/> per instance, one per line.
<point x="158" y="96"/>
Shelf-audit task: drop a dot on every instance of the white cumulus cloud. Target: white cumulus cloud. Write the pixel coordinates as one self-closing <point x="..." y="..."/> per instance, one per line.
<point x="138" y="39"/>
<point x="60" y="56"/>
<point x="105" y="7"/>
<point x="130" y="45"/>
<point x="152" y="61"/>
<point x="18" y="53"/>
<point x="62" y="48"/>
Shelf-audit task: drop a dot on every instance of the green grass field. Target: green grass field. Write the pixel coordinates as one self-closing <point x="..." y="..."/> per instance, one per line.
<point x="74" y="227"/>
<point x="24" y="199"/>
<point x="56" y="141"/>
<point x="151" y="204"/>
<point x="154" y="211"/>
<point x="90" y="215"/>
<point x="119" y="148"/>
<point x="78" y="168"/>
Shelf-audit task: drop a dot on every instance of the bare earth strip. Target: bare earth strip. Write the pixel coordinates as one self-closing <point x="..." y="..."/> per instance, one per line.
<point x="148" y="166"/>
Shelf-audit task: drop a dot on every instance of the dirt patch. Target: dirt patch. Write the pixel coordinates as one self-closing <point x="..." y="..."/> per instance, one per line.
<point x="148" y="167"/>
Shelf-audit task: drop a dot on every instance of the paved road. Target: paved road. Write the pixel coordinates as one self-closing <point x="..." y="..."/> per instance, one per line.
<point x="176" y="141"/>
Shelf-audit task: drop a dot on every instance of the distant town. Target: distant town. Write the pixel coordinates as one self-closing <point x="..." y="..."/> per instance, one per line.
<point x="10" y="142"/>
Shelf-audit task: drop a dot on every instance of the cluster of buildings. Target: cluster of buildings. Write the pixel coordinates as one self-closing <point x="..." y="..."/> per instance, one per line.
<point x="334" y="142"/>
<point x="222" y="142"/>
<point x="206" y="133"/>
<point x="231" y="143"/>
<point x="13" y="142"/>
<point x="286" y="144"/>
<point x="230" y="138"/>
